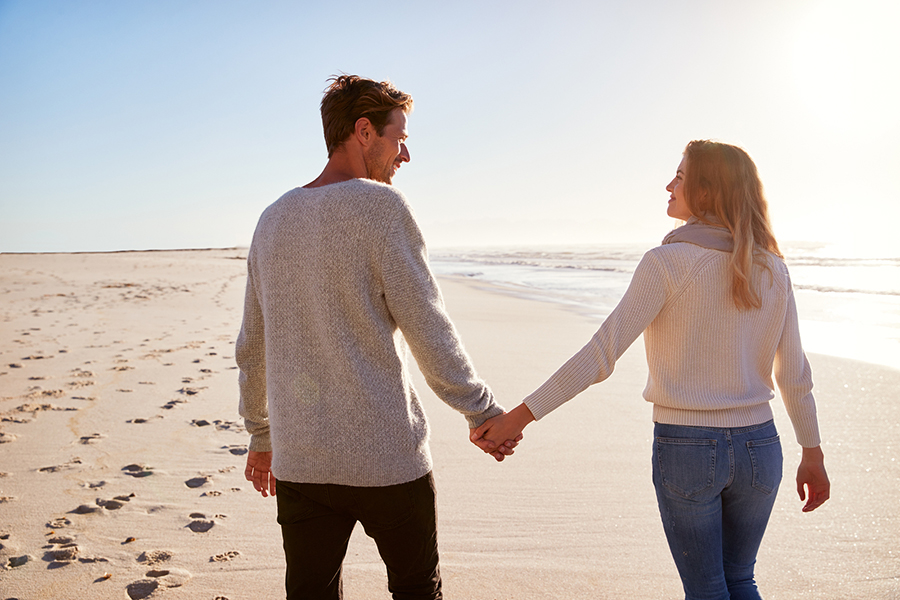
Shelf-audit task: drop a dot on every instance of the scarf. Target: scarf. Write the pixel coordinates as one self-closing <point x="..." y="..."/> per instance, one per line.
<point x="714" y="237"/>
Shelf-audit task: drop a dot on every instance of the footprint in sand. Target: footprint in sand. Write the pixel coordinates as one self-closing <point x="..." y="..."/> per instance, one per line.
<point x="189" y="391"/>
<point x="88" y="439"/>
<point x="225" y="556"/>
<point x="116" y="503"/>
<point x="228" y="426"/>
<point x="155" y="557"/>
<point x="6" y="438"/>
<point x="196" y="482"/>
<point x="236" y="449"/>
<point x="157" y="580"/>
<point x="59" y="523"/>
<point x="200" y="523"/>
<point x="84" y="509"/>
<point x="9" y="554"/>
<point x="173" y="403"/>
<point x="61" y="540"/>
<point x="141" y="420"/>
<point x="136" y="470"/>
<point x="68" y="553"/>
<point x="65" y="466"/>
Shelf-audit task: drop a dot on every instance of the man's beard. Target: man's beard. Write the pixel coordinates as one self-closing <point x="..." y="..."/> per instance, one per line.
<point x="377" y="172"/>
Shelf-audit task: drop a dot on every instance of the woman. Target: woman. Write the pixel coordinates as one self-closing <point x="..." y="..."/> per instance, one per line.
<point x="715" y="305"/>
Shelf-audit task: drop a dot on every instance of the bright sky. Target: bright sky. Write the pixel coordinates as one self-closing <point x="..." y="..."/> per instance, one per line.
<point x="174" y="123"/>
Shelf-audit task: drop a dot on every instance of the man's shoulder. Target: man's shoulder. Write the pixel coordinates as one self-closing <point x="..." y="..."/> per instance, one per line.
<point x="375" y="190"/>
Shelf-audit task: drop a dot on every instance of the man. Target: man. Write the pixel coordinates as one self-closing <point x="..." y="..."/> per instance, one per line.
<point x="336" y="272"/>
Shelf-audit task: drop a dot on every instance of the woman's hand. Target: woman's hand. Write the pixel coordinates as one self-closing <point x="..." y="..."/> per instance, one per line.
<point x="812" y="480"/>
<point x="502" y="430"/>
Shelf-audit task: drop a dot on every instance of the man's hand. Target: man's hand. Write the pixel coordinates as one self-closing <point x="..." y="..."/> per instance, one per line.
<point x="505" y="449"/>
<point x="259" y="472"/>
<point x="500" y="435"/>
<point x="811" y="475"/>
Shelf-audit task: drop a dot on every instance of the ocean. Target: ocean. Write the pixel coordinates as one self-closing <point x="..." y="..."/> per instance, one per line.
<point x="848" y="307"/>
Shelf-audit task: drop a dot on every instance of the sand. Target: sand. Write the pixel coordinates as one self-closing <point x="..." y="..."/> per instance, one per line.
<point x="121" y="454"/>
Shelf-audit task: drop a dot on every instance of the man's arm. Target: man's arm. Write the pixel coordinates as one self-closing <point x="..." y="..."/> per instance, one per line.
<point x="415" y="302"/>
<point x="250" y="355"/>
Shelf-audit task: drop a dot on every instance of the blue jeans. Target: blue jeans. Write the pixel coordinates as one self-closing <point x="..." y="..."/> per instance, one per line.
<point x="715" y="488"/>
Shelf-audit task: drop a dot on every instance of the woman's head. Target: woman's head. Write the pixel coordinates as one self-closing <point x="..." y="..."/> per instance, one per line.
<point x="721" y="180"/>
<point x="721" y="186"/>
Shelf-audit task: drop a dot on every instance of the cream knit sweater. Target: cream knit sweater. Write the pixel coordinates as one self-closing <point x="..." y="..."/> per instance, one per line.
<point x="338" y="284"/>
<point x="709" y="363"/>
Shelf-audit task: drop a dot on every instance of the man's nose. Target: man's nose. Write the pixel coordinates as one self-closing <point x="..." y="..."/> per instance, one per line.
<point x="404" y="153"/>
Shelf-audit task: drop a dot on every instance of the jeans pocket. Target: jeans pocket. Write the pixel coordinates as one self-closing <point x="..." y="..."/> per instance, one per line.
<point x="687" y="467"/>
<point x="294" y="506"/>
<point x="766" y="461"/>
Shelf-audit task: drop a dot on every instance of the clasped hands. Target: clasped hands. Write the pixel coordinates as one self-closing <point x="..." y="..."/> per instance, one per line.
<point x="500" y="436"/>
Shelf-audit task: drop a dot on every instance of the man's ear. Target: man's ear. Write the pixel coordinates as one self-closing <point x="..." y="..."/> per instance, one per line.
<point x="364" y="130"/>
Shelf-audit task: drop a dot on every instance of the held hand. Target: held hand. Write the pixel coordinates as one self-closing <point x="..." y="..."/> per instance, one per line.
<point x="503" y="432"/>
<point x="258" y="471"/>
<point x="505" y="449"/>
<point x="811" y="475"/>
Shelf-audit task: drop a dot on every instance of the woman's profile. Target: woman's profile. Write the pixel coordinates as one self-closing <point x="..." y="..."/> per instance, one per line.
<point x="716" y="308"/>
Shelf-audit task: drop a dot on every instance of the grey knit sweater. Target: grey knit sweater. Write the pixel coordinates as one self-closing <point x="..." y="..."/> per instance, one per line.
<point x="338" y="285"/>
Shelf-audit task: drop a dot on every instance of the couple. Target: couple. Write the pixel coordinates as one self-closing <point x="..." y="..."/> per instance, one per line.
<point x="339" y="285"/>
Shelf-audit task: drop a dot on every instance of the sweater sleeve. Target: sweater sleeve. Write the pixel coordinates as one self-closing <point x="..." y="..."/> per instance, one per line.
<point x="643" y="300"/>
<point x="250" y="355"/>
<point x="794" y="378"/>
<point x="415" y="303"/>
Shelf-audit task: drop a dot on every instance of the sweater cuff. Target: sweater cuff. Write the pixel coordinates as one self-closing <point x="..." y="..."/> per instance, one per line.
<point x="260" y="442"/>
<point x="476" y="420"/>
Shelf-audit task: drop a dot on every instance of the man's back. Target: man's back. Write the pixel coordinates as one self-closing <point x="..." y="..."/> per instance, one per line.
<point x="333" y="272"/>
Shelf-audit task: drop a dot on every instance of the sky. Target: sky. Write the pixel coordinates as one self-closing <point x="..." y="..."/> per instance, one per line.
<point x="173" y="124"/>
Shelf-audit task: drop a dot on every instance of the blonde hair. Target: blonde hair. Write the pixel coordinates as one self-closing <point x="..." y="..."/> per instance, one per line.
<point x="721" y="181"/>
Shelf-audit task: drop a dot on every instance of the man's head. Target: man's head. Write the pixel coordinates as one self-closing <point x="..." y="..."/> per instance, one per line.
<point x="350" y="98"/>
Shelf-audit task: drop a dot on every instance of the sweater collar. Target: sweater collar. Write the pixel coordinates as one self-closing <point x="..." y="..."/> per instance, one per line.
<point x="706" y="235"/>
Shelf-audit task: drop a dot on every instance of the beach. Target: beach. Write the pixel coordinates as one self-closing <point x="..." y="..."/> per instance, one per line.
<point x="122" y="453"/>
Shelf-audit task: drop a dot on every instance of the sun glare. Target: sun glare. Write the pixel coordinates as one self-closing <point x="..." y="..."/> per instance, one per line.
<point x="846" y="61"/>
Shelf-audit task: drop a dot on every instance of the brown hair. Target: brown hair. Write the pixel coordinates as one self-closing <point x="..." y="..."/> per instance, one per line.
<point x="722" y="182"/>
<point x="349" y="98"/>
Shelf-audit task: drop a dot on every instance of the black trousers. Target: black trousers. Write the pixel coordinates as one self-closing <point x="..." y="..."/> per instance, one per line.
<point x="317" y="520"/>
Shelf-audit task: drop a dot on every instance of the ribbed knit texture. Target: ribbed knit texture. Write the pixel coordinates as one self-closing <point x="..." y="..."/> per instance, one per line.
<point x="710" y="364"/>
<point x="335" y="274"/>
